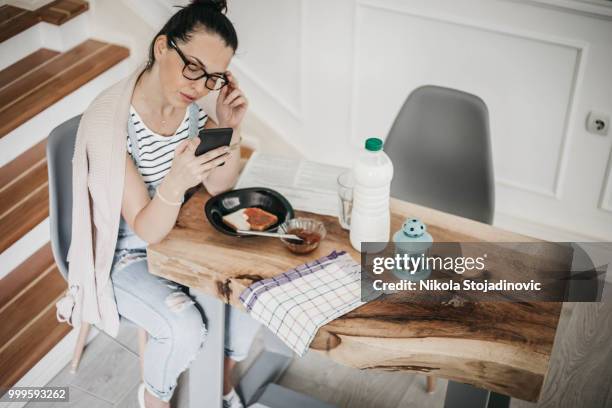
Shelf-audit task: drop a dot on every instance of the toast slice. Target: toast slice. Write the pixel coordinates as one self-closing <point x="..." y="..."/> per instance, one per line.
<point x="237" y="220"/>
<point x="251" y="218"/>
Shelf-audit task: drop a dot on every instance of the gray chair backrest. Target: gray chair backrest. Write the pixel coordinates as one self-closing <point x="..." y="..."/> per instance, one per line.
<point x="60" y="149"/>
<point x="441" y="153"/>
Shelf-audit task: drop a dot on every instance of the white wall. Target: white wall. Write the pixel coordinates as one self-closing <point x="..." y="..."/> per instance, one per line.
<point x="325" y="75"/>
<point x="26" y="4"/>
<point x="114" y="21"/>
<point x="330" y="74"/>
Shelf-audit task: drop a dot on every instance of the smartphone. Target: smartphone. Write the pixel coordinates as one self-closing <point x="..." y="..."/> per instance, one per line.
<point x="211" y="139"/>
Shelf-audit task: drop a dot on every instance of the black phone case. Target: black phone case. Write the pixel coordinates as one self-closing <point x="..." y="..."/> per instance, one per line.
<point x="211" y="139"/>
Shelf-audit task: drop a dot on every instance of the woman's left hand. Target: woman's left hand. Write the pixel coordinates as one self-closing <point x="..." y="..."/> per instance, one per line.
<point x="231" y="104"/>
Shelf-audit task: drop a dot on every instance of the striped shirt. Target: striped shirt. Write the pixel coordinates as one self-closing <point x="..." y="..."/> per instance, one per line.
<point x="157" y="151"/>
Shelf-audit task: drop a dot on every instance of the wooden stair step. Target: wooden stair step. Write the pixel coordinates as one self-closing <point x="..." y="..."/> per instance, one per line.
<point x="30" y="302"/>
<point x="8" y="12"/>
<point x="245" y="154"/>
<point x="42" y="87"/>
<point x="37" y="77"/>
<point x="24" y="194"/>
<point x="34" y="342"/>
<point x="13" y="195"/>
<point x="25" y="65"/>
<point x="21" y="276"/>
<point x="14" y="169"/>
<point x="29" y="327"/>
<point x="14" y="20"/>
<point x="60" y="11"/>
<point x="20" y="221"/>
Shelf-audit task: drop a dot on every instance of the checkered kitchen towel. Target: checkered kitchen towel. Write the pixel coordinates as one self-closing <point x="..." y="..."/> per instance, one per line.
<point x="295" y="304"/>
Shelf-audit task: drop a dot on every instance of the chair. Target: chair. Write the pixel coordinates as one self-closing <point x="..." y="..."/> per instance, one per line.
<point x="441" y="153"/>
<point x="60" y="148"/>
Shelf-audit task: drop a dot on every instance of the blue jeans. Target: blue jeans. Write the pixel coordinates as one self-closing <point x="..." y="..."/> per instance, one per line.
<point x="176" y="324"/>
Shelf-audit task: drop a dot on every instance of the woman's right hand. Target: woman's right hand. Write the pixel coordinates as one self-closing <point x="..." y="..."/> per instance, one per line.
<point x="188" y="169"/>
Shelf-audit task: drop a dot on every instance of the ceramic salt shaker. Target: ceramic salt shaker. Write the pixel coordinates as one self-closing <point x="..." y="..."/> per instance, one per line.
<point x="414" y="241"/>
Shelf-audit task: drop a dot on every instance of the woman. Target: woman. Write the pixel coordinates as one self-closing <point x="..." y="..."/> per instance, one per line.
<point x="188" y="59"/>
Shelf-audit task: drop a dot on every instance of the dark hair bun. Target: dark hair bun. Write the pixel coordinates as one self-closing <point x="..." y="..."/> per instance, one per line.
<point x="219" y="6"/>
<point x="208" y="15"/>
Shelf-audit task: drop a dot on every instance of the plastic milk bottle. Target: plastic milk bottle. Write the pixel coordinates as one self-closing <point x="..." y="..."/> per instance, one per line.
<point x="370" y="218"/>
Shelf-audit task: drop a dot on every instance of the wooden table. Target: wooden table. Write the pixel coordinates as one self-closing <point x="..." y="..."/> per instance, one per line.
<point x="503" y="347"/>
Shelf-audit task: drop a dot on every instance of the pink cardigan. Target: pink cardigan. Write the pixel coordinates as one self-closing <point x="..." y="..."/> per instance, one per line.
<point x="98" y="172"/>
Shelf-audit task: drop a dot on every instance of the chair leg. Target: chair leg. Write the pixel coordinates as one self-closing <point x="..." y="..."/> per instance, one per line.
<point x="431" y="384"/>
<point x="80" y="345"/>
<point x="142" y="343"/>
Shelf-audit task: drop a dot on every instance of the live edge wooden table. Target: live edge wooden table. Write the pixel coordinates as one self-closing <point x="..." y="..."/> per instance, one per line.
<point x="498" y="346"/>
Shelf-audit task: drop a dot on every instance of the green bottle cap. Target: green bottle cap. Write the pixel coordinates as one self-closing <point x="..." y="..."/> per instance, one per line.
<point x="373" y="144"/>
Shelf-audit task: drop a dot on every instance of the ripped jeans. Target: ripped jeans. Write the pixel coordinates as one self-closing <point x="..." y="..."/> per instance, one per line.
<point x="176" y="324"/>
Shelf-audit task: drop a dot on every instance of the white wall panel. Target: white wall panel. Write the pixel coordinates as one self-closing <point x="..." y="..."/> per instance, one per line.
<point x="270" y="55"/>
<point x="527" y="84"/>
<point x="606" y="193"/>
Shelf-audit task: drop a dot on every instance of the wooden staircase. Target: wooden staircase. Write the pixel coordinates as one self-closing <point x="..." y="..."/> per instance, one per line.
<point x="14" y="20"/>
<point x="54" y="78"/>
<point x="27" y="311"/>
<point x="24" y="196"/>
<point x="29" y="328"/>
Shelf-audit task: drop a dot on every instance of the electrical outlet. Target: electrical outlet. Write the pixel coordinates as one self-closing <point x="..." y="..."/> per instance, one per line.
<point x="598" y="123"/>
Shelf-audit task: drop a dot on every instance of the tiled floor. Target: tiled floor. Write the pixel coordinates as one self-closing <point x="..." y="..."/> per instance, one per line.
<point x="109" y="372"/>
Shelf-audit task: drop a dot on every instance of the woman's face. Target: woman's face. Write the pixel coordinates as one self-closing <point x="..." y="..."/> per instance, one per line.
<point x="208" y="51"/>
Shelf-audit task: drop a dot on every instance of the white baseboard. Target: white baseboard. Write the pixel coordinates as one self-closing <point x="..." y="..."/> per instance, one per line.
<point x="51" y="364"/>
<point x="21" y="250"/>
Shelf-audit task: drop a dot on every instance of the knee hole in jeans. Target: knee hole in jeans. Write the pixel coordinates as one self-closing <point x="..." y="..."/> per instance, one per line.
<point x="128" y="257"/>
<point x="178" y="301"/>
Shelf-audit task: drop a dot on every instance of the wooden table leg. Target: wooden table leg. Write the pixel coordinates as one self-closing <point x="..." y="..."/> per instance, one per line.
<point x="79" y="346"/>
<point x="206" y="371"/>
<point x="431" y="384"/>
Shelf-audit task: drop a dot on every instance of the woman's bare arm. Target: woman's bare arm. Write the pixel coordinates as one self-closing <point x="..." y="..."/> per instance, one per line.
<point x="152" y="219"/>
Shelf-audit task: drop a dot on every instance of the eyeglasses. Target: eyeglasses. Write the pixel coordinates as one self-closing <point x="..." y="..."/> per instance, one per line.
<point x="193" y="71"/>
